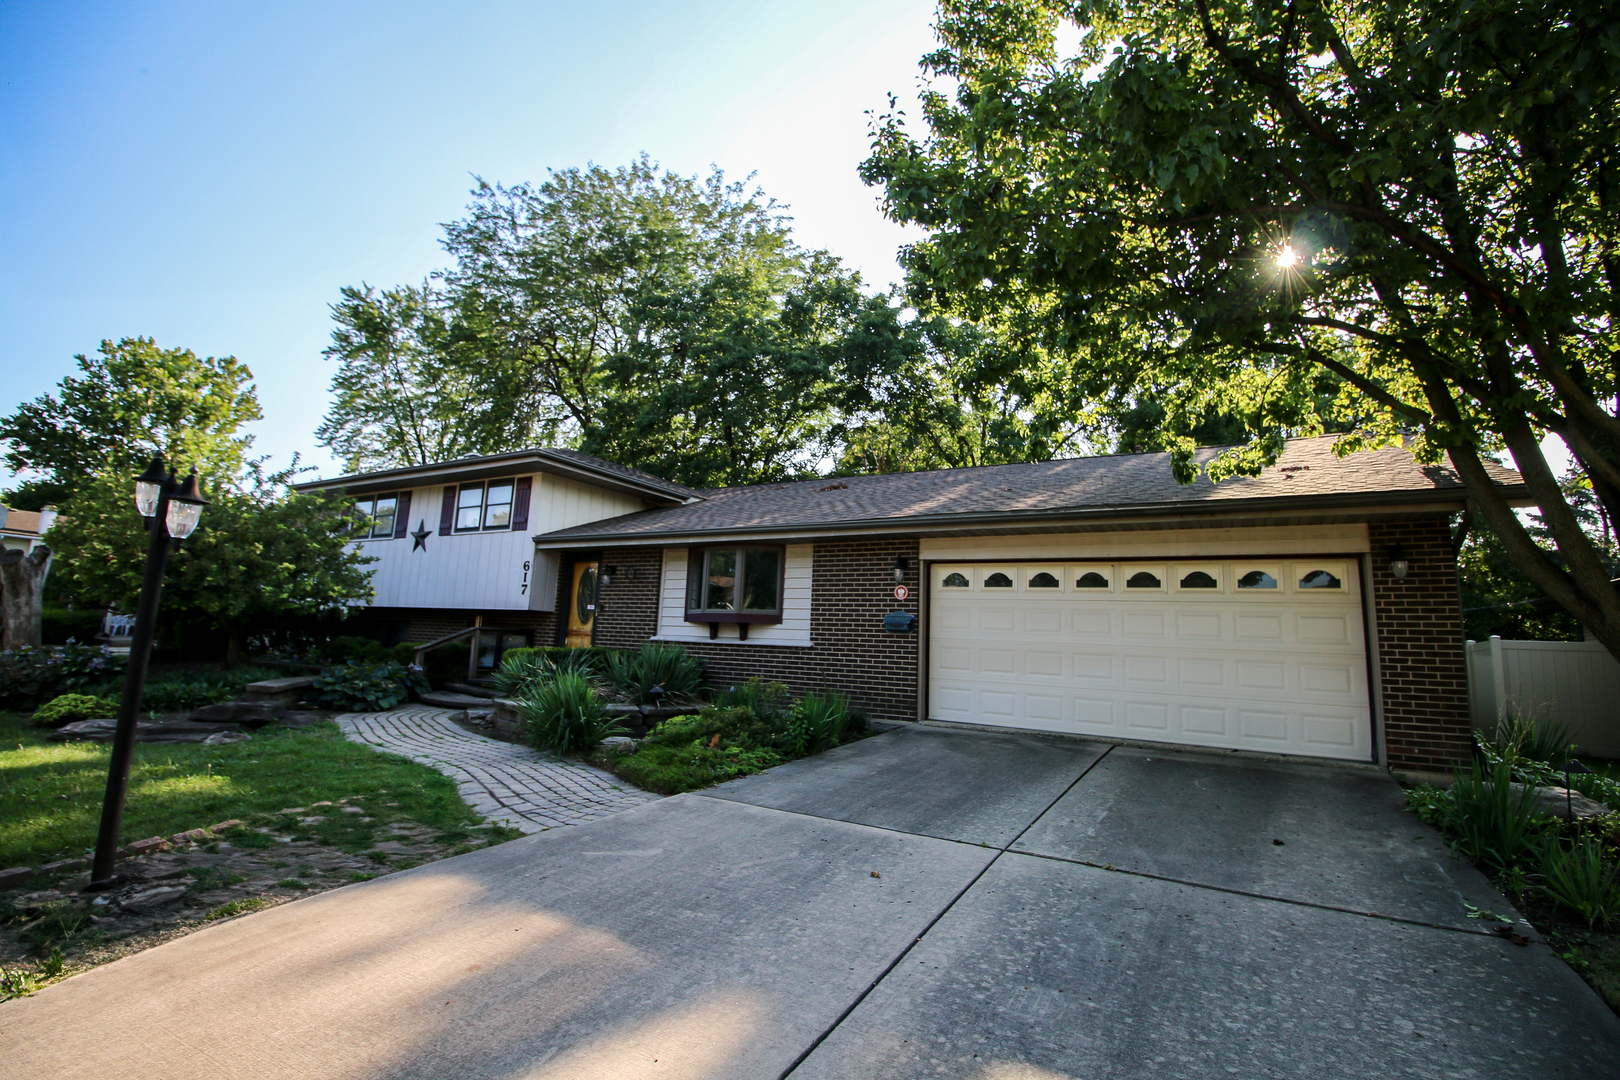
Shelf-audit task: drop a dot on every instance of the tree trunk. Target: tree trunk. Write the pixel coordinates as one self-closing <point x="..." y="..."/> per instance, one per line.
<point x="22" y="591"/>
<point x="233" y="648"/>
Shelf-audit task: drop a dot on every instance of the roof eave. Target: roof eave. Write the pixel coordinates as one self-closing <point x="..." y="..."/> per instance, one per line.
<point x="494" y="465"/>
<point x="1401" y="501"/>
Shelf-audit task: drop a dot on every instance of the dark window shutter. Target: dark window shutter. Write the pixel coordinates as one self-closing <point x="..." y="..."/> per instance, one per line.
<point x="447" y="514"/>
<point x="402" y="515"/>
<point x="520" y="502"/>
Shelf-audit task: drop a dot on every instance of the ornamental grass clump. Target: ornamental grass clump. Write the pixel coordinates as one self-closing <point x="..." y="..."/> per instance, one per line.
<point x="1493" y="820"/>
<point x="563" y="714"/>
<point x="677" y="672"/>
<point x="1581" y="879"/>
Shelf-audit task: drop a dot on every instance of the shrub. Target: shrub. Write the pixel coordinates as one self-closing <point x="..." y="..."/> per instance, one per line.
<point x="656" y="664"/>
<point x="1494" y="824"/>
<point x="1578" y="878"/>
<point x="368" y="687"/>
<point x="737" y="726"/>
<point x="819" y="723"/>
<point x="523" y="668"/>
<point x="1522" y="737"/>
<point x="69" y="708"/>
<point x="352" y="649"/>
<point x="563" y="714"/>
<point x="29" y="676"/>
<point x="60" y="626"/>
<point x="181" y="691"/>
<point x="671" y="770"/>
<point x="767" y="700"/>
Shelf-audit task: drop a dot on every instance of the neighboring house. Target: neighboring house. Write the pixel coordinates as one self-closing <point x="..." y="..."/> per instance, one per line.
<point x="1093" y="596"/>
<point x="24" y="530"/>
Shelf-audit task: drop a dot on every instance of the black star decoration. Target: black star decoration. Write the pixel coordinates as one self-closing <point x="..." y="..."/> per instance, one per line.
<point x="420" y="536"/>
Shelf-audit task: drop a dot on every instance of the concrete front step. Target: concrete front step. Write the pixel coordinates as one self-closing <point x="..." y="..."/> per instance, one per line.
<point x="445" y="699"/>
<point x="473" y="689"/>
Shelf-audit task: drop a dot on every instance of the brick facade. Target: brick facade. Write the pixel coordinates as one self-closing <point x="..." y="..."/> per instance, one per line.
<point x="1423" y="719"/>
<point x="852" y="588"/>
<point x="1421" y="662"/>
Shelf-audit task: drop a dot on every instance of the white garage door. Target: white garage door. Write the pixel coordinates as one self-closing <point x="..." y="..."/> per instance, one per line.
<point x="1253" y="655"/>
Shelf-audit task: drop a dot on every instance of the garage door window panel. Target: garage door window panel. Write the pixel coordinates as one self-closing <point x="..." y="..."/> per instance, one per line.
<point x="1199" y="580"/>
<point x="1144" y="579"/>
<point x="1092" y="579"/>
<point x="999" y="578"/>
<point x="1258" y="580"/>
<point x="1043" y="581"/>
<point x="1319" y="578"/>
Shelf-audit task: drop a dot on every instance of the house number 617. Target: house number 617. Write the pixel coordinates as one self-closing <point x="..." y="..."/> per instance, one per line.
<point x="525" y="591"/>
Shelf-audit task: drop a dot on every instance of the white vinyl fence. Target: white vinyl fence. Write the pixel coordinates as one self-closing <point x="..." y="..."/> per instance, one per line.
<point x="1576" y="683"/>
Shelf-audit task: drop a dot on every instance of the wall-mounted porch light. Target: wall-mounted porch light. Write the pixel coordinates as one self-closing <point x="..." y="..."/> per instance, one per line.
<point x="901" y="564"/>
<point x="1399" y="564"/>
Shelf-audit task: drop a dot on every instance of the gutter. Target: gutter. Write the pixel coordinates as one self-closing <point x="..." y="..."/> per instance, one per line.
<point x="1161" y="513"/>
<point x="492" y="466"/>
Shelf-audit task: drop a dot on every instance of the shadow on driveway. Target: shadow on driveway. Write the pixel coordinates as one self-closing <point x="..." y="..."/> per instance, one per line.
<point x="917" y="904"/>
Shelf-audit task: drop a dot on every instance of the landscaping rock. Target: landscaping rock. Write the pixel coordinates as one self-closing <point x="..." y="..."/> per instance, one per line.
<point x="285" y="691"/>
<point x="1560" y="803"/>
<point x="619" y="742"/>
<point x="149" y="731"/>
<point x="16" y="876"/>
<point x="301" y="719"/>
<point x="147" y="899"/>
<point x="221" y="738"/>
<point x="144" y="847"/>
<point x="65" y="866"/>
<point x="246" y="713"/>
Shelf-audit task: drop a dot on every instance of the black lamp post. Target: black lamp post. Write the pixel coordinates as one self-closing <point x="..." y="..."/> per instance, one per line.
<point x="171" y="511"/>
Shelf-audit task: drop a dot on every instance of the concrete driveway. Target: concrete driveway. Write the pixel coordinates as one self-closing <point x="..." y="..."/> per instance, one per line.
<point x="927" y="903"/>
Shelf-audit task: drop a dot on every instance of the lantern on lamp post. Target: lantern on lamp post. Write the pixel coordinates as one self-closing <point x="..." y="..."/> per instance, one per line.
<point x="172" y="511"/>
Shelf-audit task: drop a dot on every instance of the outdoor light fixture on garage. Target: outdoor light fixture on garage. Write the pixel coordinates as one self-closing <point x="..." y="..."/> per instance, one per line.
<point x="1399" y="564"/>
<point x="901" y="564"/>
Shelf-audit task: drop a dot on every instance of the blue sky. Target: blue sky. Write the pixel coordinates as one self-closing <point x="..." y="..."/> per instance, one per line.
<point x="210" y="174"/>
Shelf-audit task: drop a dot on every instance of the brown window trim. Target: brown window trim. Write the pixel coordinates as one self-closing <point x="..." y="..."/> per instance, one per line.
<point x="697" y="557"/>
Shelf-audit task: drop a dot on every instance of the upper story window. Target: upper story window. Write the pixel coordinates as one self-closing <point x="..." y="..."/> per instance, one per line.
<point x="484" y="506"/>
<point x="380" y="511"/>
<point x="734" y="584"/>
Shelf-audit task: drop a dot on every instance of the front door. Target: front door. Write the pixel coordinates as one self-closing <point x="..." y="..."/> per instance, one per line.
<point x="582" y="606"/>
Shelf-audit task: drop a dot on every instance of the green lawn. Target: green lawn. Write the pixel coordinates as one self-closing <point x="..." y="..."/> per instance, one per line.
<point x="50" y="793"/>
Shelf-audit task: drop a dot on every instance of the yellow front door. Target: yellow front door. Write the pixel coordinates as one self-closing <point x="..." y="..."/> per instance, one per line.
<point x="582" y="606"/>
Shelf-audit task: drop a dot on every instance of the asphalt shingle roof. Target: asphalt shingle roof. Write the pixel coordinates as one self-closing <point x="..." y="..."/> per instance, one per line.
<point x="1307" y="468"/>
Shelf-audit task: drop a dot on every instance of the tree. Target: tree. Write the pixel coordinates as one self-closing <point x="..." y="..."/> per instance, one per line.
<point x="22" y="585"/>
<point x="966" y="394"/>
<point x="666" y="321"/>
<point x="397" y="398"/>
<point x="258" y="554"/>
<point x="134" y="400"/>
<point x="1222" y="202"/>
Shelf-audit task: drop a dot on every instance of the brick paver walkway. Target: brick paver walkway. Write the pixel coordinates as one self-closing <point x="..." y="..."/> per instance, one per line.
<point x="508" y="784"/>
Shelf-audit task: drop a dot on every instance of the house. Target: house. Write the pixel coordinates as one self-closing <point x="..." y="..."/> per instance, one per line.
<point x="1310" y="611"/>
<point x="24" y="530"/>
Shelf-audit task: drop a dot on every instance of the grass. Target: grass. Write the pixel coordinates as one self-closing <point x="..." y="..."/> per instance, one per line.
<point x="237" y="907"/>
<point x="50" y="793"/>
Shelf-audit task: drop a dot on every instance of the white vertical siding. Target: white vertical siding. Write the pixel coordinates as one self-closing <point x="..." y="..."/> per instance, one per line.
<point x="486" y="570"/>
<point x="794" y="629"/>
<point x="1576" y="683"/>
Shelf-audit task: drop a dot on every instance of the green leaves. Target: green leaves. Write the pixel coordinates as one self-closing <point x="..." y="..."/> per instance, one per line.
<point x="131" y="401"/>
<point x="1441" y="177"/>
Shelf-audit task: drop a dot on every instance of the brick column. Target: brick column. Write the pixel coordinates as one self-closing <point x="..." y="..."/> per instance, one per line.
<point x="1420" y="647"/>
<point x="627" y="607"/>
